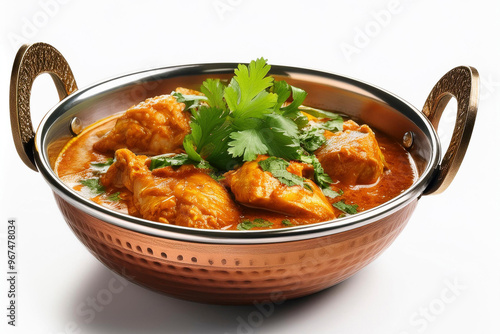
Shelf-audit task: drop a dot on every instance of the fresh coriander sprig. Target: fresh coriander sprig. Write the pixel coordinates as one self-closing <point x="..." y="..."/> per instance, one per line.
<point x="115" y="197"/>
<point x="278" y="168"/>
<point x="176" y="160"/>
<point x="94" y="185"/>
<point x="170" y="159"/>
<point x="190" y="101"/>
<point x="245" y="119"/>
<point x="101" y="167"/>
<point x="346" y="208"/>
<point x="257" y="222"/>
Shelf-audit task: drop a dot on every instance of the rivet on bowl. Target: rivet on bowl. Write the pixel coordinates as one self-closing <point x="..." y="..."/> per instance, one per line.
<point x="408" y="140"/>
<point x="75" y="126"/>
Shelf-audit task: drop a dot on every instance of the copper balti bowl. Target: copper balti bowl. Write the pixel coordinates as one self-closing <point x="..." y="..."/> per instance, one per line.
<point x="238" y="267"/>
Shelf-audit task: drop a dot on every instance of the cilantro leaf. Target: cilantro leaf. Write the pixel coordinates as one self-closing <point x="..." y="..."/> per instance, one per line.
<point x="217" y="176"/>
<point x="333" y="124"/>
<point x="101" y="167"/>
<point x="286" y="222"/>
<point x="190" y="101"/>
<point x="297" y="117"/>
<point x="170" y="159"/>
<point x="298" y="95"/>
<point x="257" y="222"/>
<point x="209" y="136"/>
<point x="284" y="90"/>
<point x="274" y="135"/>
<point x="281" y="137"/>
<point x="347" y="208"/>
<point x="318" y="112"/>
<point x="281" y="122"/>
<point x="108" y="162"/>
<point x="312" y="139"/>
<point x="114" y="197"/>
<point x="189" y="147"/>
<point x="312" y="136"/>
<point x="214" y="91"/>
<point x="328" y="192"/>
<point x="94" y="185"/>
<point x="246" y="95"/>
<point x="278" y="168"/>
<point x="247" y="144"/>
<point x="321" y="178"/>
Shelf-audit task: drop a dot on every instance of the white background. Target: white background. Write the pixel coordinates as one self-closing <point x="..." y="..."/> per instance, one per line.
<point x="452" y="239"/>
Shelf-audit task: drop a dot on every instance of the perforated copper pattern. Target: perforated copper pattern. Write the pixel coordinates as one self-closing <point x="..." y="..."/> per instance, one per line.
<point x="234" y="274"/>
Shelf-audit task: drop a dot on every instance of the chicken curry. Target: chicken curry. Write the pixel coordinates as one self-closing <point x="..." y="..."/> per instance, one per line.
<point x="244" y="154"/>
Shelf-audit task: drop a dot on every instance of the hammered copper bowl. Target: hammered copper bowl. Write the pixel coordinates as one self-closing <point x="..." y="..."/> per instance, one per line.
<point x="238" y="267"/>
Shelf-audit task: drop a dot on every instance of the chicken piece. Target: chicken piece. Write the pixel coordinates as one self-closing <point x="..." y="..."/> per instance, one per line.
<point x="256" y="188"/>
<point x="155" y="126"/>
<point x="187" y="91"/>
<point x="186" y="196"/>
<point x="352" y="156"/>
<point x="347" y="125"/>
<point x="350" y="125"/>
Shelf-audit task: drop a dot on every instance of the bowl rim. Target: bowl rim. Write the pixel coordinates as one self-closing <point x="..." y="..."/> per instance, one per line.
<point x="182" y="233"/>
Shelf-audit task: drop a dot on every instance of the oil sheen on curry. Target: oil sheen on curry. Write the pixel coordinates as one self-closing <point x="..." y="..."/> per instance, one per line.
<point x="244" y="154"/>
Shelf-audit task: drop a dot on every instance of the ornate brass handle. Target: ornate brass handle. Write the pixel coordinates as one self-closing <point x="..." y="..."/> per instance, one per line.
<point x="462" y="83"/>
<point x="31" y="61"/>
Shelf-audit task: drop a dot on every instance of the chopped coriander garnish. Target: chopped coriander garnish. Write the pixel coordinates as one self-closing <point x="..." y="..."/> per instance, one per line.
<point x="321" y="178"/>
<point x="191" y="101"/>
<point x="101" y="167"/>
<point x="94" y="185"/>
<point x="332" y="125"/>
<point x="257" y="222"/>
<point x="312" y="138"/>
<point x="166" y="160"/>
<point x="347" y="208"/>
<point x="114" y="197"/>
<point x="328" y="192"/>
<point x="217" y="176"/>
<point x="286" y="222"/>
<point x="169" y="159"/>
<point x="278" y="168"/>
<point x="108" y="162"/>
<point x="321" y="113"/>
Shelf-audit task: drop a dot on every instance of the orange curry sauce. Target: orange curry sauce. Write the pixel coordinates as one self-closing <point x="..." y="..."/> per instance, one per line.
<point x="74" y="164"/>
